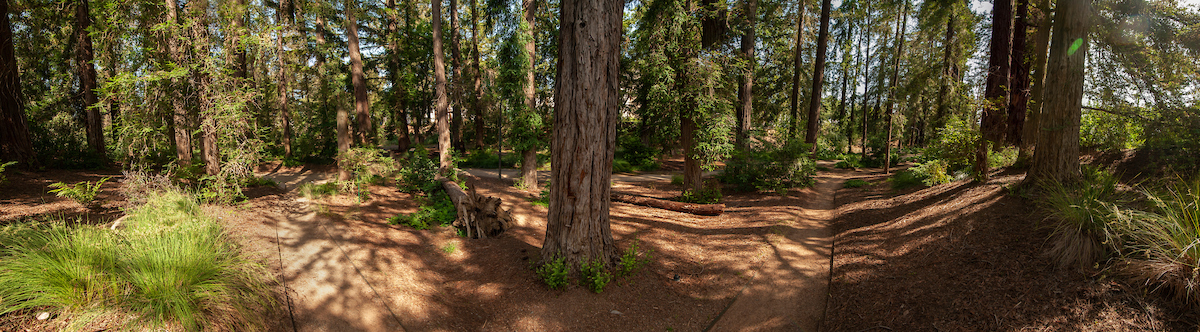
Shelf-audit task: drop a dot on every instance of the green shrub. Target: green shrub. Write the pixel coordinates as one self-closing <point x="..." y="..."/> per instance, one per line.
<point x="849" y="161"/>
<point x="855" y="183"/>
<point x="543" y="198"/>
<point x="419" y="173"/>
<point x="635" y="156"/>
<point x="905" y="179"/>
<point x="677" y="179"/>
<point x="622" y="166"/>
<point x="554" y="273"/>
<point x="435" y="210"/>
<point x="1106" y="131"/>
<point x="171" y="266"/>
<point x="1166" y="241"/>
<point x="318" y="190"/>
<point x="771" y="167"/>
<point x="83" y="192"/>
<point x="955" y="143"/>
<point x="594" y="275"/>
<point x="366" y="166"/>
<point x="1003" y="158"/>
<point x="933" y="172"/>
<point x="3" y="178"/>
<point x="630" y="261"/>
<point x="1082" y="231"/>
<point x="711" y="195"/>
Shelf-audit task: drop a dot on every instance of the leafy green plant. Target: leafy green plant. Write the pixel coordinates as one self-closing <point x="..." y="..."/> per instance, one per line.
<point x="1166" y="240"/>
<point x="554" y="273"/>
<point x="594" y="275"/>
<point x="487" y="158"/>
<point x="855" y="183"/>
<point x="543" y="198"/>
<point x="955" y="143"/>
<point x="83" y="192"/>
<point x="170" y="266"/>
<point x="933" y="172"/>
<point x="677" y="179"/>
<point x="710" y="195"/>
<point x="905" y="179"/>
<point x="771" y="167"/>
<point x="849" y="161"/>
<point x="418" y="173"/>
<point x="3" y="178"/>
<point x="435" y="210"/>
<point x="632" y="260"/>
<point x="366" y="166"/>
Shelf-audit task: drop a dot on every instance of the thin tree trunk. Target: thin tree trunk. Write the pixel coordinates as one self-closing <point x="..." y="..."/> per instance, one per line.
<point x="947" y="86"/>
<point x="181" y="125"/>
<point x="745" y="92"/>
<point x="1019" y="90"/>
<point x="477" y="76"/>
<point x="14" y="132"/>
<point x="1057" y="155"/>
<point x="362" y="107"/>
<point x="87" y="78"/>
<point x="814" y="103"/>
<point x="862" y="69"/>
<point x="283" y="17"/>
<point x="456" y="122"/>
<point x="239" y="30"/>
<point x="992" y="123"/>
<point x="1041" y="42"/>
<point x="529" y="160"/>
<point x="891" y="106"/>
<point x="208" y="125"/>
<point x="439" y="70"/>
<point x="847" y="119"/>
<point x="585" y="130"/>
<point x="797" y="63"/>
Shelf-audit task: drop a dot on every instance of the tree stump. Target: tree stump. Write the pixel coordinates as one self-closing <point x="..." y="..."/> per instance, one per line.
<point x="479" y="217"/>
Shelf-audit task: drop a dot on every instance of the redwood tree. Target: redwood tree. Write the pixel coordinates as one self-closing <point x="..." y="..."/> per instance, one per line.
<point x="1057" y="155"/>
<point x="991" y="126"/>
<point x="585" y="132"/>
<point x="818" y="82"/>
<point x="529" y="155"/>
<point x="362" y="109"/>
<point x="87" y="77"/>
<point x="443" y="103"/>
<point x="14" y="133"/>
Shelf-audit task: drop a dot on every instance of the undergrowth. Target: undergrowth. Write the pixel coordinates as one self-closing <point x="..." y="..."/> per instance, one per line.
<point x="83" y="192"/>
<point x="435" y="210"/>
<point x="1082" y="232"/>
<point x="855" y="183"/>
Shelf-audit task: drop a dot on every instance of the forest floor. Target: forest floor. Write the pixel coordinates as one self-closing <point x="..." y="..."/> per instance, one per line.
<point x="955" y="257"/>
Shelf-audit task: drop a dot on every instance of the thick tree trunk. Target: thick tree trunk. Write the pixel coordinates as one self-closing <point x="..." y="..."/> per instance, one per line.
<point x="895" y="80"/>
<point x="181" y="125"/>
<point x="443" y="103"/>
<point x="529" y="160"/>
<point x="1057" y="154"/>
<point x="1018" y="100"/>
<point x="402" y="139"/>
<point x="211" y="151"/>
<point x="362" y="107"/>
<point x="479" y="217"/>
<point x="745" y="111"/>
<point x="87" y="78"/>
<point x="477" y="76"/>
<point x="14" y="131"/>
<point x="798" y="61"/>
<point x="456" y="84"/>
<point x="283" y="18"/>
<point x="691" y="167"/>
<point x="992" y="123"/>
<point x="585" y="130"/>
<point x="818" y="82"/>
<point x="700" y="209"/>
<point x="1041" y="42"/>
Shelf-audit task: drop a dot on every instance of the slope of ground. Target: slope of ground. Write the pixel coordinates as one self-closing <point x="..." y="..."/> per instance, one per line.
<point x="967" y="257"/>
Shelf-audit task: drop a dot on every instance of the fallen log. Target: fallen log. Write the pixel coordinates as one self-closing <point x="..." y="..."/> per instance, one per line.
<point x="700" y="209"/>
<point x="479" y="217"/>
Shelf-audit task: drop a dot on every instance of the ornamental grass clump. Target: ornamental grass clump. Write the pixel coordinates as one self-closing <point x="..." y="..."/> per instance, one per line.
<point x="1082" y="229"/>
<point x="1165" y="242"/>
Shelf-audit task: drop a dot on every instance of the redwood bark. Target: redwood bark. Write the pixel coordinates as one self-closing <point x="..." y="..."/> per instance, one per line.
<point x="402" y="139"/>
<point x="87" y="78"/>
<point x="443" y="103"/>
<point x="992" y="123"/>
<point x="1041" y="42"/>
<point x="183" y="128"/>
<point x="818" y="82"/>
<point x="745" y="92"/>
<point x="798" y="61"/>
<point x="476" y="107"/>
<point x="529" y="160"/>
<point x="283" y="17"/>
<point x="949" y="81"/>
<point x="456" y="84"/>
<point x="362" y="108"/>
<point x="1018" y="101"/>
<point x="211" y="151"/>
<point x="1057" y="154"/>
<point x="14" y="132"/>
<point x="585" y="131"/>
<point x="900" y="37"/>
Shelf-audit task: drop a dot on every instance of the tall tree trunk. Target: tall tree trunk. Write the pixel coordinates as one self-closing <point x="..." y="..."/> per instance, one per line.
<point x="946" y="86"/>
<point x="477" y="76"/>
<point x="992" y="124"/>
<point x="239" y="30"/>
<point x="529" y="156"/>
<point x="1018" y="101"/>
<point x="1041" y="42"/>
<point x="745" y="91"/>
<point x="362" y="108"/>
<point x="818" y="82"/>
<point x="891" y="106"/>
<point x="283" y="18"/>
<point x="399" y="93"/>
<point x="87" y="78"/>
<point x="585" y="130"/>
<point x="847" y="119"/>
<point x="456" y="121"/>
<point x="439" y="70"/>
<point x="14" y="132"/>
<point x="208" y="124"/>
<point x="866" y="75"/>
<point x="181" y="125"/>
<point x="798" y="61"/>
<point x="1057" y="154"/>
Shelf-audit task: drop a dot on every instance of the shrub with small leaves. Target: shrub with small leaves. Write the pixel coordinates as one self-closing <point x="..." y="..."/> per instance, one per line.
<point x="711" y="195"/>
<point x="771" y="167"/>
<point x="83" y="192"/>
<point x="933" y="172"/>
<point x="594" y="275"/>
<point x="630" y="261"/>
<point x="4" y="179"/>
<point x="435" y="210"/>
<point x="554" y="273"/>
<point x="419" y="173"/>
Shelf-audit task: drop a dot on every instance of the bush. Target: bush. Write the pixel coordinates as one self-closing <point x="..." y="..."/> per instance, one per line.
<point x="855" y="183"/>
<point x="1166" y="241"/>
<point x="677" y="179"/>
<point x="486" y="158"/>
<point x="435" y="210"/>
<point x="318" y="190"/>
<point x="933" y="172"/>
<point x="955" y="143"/>
<point x="850" y="161"/>
<point x="775" y="168"/>
<point x="366" y="166"/>
<point x="1106" y="131"/>
<point x="554" y="273"/>
<point x="710" y="195"/>
<point x="630" y="262"/>
<point x="905" y="179"/>
<point x="172" y="266"/>
<point x="83" y="192"/>
<point x="1082" y="225"/>
<point x="419" y="173"/>
<point x="635" y="156"/>
<point x="139" y="186"/>
<point x="594" y="276"/>
<point x="3" y="178"/>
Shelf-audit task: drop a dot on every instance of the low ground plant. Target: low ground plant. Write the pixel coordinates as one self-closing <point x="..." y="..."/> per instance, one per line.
<point x="905" y="179"/>
<point x="855" y="183"/>
<point x="318" y="190"/>
<point x="4" y="178"/>
<point x="436" y="210"/>
<point x="171" y="267"/>
<point x="632" y="260"/>
<point x="771" y="167"/>
<point x="1165" y="241"/>
<point x="366" y="166"/>
<point x="83" y="192"/>
<point x="933" y="172"/>
<point x="710" y="195"/>
<point x="1082" y="229"/>
<point x="594" y="276"/>
<point x="554" y="273"/>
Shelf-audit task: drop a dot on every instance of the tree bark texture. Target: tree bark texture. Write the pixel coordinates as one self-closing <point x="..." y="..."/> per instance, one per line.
<point x="87" y="77"/>
<point x="477" y="76"/>
<point x="818" y="82"/>
<point x="362" y="107"/>
<point x="14" y="131"/>
<point x="798" y="61"/>
<point x="211" y="151"/>
<point x="398" y="93"/>
<point x="182" y="132"/>
<point x="992" y="123"/>
<point x="457" y="84"/>
<point x="949" y="70"/>
<point x="692" y="176"/>
<point x="1057" y="154"/>
<point x="698" y="209"/>
<point x="1041" y="45"/>
<point x="585" y="132"/>
<point x="745" y="111"/>
<point x="895" y="80"/>
<point x="479" y="217"/>
<point x="1018" y="99"/>
<point x="283" y="18"/>
<point x="443" y="103"/>
<point x="529" y="157"/>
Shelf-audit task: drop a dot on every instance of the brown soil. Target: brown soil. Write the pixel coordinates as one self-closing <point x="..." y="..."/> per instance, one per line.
<point x="967" y="257"/>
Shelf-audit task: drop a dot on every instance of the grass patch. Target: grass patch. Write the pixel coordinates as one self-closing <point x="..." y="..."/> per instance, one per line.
<point x="314" y="190"/>
<point x="1082" y="230"/>
<point x="1166" y="241"/>
<point x="172" y="267"/>
<point x="855" y="183"/>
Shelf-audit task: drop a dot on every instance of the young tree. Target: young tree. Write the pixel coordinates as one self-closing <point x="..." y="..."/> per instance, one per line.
<point x="529" y="155"/>
<point x="283" y="17"/>
<point x="745" y="111"/>
<point x="439" y="69"/>
<point x="14" y="132"/>
<point x="87" y="77"/>
<point x="900" y="38"/>
<point x="798" y="63"/>
<point x="182" y="127"/>
<point x="362" y="108"/>
<point x="585" y="129"/>
<point x="1057" y="154"/>
<point x="991" y="127"/>
<point x="818" y="82"/>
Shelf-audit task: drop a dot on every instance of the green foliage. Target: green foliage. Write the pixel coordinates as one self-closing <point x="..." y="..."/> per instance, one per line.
<point x="632" y="260"/>
<point x="255" y="181"/>
<point x="418" y="173"/>
<point x="633" y="156"/>
<point x="170" y="266"/>
<point x="1003" y="158"/>
<point x="367" y="166"/>
<point x="933" y="172"/>
<point x="485" y="158"/>
<point x="554" y="273"/>
<point x="955" y="143"/>
<point x="1082" y="228"/>
<point x="3" y="178"/>
<point x="1106" y="131"/>
<point x="318" y="190"/>
<point x="677" y="179"/>
<point x="594" y="275"/>
<point x="543" y="198"/>
<point x="710" y="195"/>
<point x="435" y="210"/>
<point x="771" y="167"/>
<point x="905" y="179"/>
<point x="82" y="192"/>
<point x="855" y="183"/>
<point x="850" y="161"/>
<point x="1165" y="241"/>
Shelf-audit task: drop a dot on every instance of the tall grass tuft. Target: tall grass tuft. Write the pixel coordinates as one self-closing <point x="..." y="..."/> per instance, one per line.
<point x="171" y="267"/>
<point x="1082" y="229"/>
<point x="1167" y="241"/>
